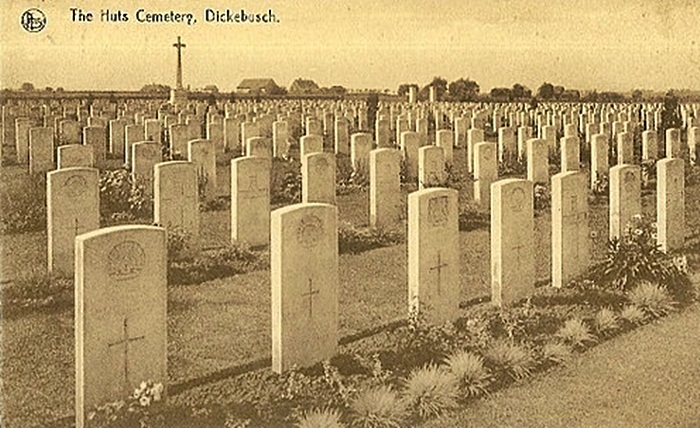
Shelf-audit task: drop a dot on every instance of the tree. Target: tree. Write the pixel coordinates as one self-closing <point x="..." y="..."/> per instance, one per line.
<point x="558" y="91"/>
<point x="546" y="91"/>
<point x="520" y="92"/>
<point x="26" y="86"/>
<point x="48" y="89"/>
<point x="501" y="94"/>
<point x="212" y="88"/>
<point x="463" y="90"/>
<point x="404" y="89"/>
<point x="670" y="115"/>
<point x="637" y="95"/>
<point x="440" y="86"/>
<point x="155" y="87"/>
<point x="337" y="90"/>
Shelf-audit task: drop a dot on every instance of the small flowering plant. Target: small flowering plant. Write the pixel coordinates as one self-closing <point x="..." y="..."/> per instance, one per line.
<point x="636" y="257"/>
<point x="137" y="410"/>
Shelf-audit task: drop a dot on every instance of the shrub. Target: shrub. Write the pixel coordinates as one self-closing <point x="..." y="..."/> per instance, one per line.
<point x="36" y="288"/>
<point x="352" y="240"/>
<point x="575" y="332"/>
<point x="378" y="407"/>
<point x="541" y="197"/>
<point x="472" y="217"/>
<point x="285" y="181"/>
<point x="178" y="243"/>
<point x="512" y="358"/>
<point x="137" y="410"/>
<point x="636" y="257"/>
<point x="320" y="418"/>
<point x="605" y="320"/>
<point x="652" y="299"/>
<point x="23" y="205"/>
<point x="601" y="186"/>
<point x="632" y="314"/>
<point x="430" y="391"/>
<point x="648" y="168"/>
<point x="556" y="352"/>
<point x="511" y="166"/>
<point x="346" y="176"/>
<point x="121" y="197"/>
<point x="222" y="262"/>
<point x="469" y="370"/>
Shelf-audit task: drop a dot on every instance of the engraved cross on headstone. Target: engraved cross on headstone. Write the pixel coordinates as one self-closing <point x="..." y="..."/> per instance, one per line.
<point x="440" y="266"/>
<point x="125" y="342"/>
<point x="310" y="294"/>
<point x="572" y="218"/>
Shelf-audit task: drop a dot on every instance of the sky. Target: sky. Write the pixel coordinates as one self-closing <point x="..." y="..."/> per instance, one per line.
<point x="582" y="44"/>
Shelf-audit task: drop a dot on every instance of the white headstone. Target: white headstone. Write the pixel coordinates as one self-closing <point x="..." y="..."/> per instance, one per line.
<point x="625" y="197"/>
<point x="512" y="241"/>
<point x="304" y="275"/>
<point x="670" y="205"/>
<point x="120" y="314"/>
<point x="570" y="233"/>
<point x="250" y="200"/>
<point x="73" y="207"/>
<point x="433" y="254"/>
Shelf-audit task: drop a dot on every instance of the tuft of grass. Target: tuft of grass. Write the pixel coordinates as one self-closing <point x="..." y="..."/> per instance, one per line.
<point x="320" y="418"/>
<point x="576" y="333"/>
<point x="556" y="352"/>
<point x="469" y="370"/>
<point x="632" y="314"/>
<point x="378" y="407"/>
<point x="605" y="320"/>
<point x="514" y="359"/>
<point x="652" y="298"/>
<point x="431" y="391"/>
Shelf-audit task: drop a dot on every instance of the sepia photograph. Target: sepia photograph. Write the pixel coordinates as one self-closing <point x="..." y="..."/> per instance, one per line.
<point x="349" y="213"/>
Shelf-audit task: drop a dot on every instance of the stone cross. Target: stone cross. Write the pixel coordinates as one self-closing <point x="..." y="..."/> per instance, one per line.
<point x="179" y="45"/>
<point x="310" y="294"/>
<point x="125" y="341"/>
<point x="439" y="267"/>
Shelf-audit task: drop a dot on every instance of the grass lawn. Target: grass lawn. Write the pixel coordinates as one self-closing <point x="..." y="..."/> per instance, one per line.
<point x="225" y="322"/>
<point x="647" y="378"/>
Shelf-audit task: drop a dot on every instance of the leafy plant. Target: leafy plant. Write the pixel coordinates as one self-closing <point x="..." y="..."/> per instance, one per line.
<point x="511" y="166"/>
<point x="648" y="168"/>
<point x="285" y="181"/>
<point x="575" y="332"/>
<point x="512" y="358"/>
<point x="222" y="262"/>
<point x="121" y="197"/>
<point x="352" y="240"/>
<point x="556" y="352"/>
<point x="605" y="320"/>
<point x="320" y="418"/>
<point x="469" y="370"/>
<point x="652" y="298"/>
<point x="178" y="243"/>
<point x="430" y="391"/>
<point x="542" y="197"/>
<point x="472" y="217"/>
<point x="378" y="407"/>
<point x="23" y="205"/>
<point x="636" y="257"/>
<point x="137" y="410"/>
<point x="632" y="314"/>
<point x="601" y="185"/>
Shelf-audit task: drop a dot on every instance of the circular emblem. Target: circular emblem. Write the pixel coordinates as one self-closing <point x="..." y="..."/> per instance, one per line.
<point x="126" y="260"/>
<point x="75" y="186"/>
<point x="310" y="231"/>
<point x="517" y="197"/>
<point x="33" y="20"/>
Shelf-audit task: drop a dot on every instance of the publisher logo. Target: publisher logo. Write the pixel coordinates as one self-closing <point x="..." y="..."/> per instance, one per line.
<point x="33" y="20"/>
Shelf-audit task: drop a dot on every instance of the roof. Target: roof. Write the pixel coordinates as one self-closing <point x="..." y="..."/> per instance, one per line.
<point x="256" y="84"/>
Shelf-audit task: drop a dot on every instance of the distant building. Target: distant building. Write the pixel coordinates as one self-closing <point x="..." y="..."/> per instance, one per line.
<point x="258" y="86"/>
<point x="304" y="86"/>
